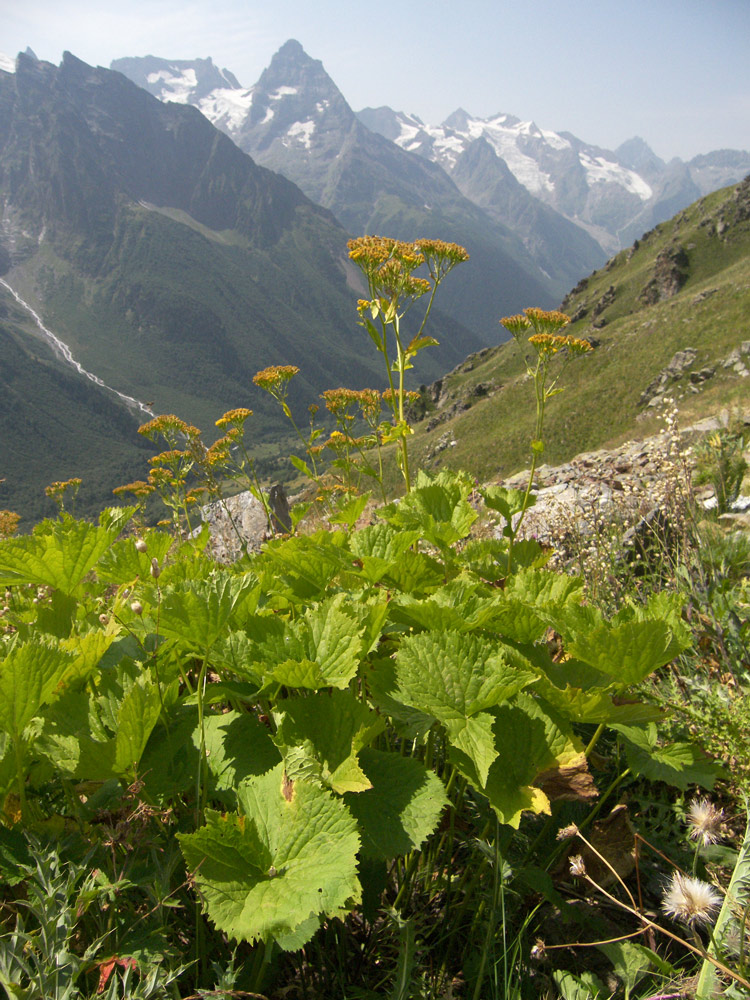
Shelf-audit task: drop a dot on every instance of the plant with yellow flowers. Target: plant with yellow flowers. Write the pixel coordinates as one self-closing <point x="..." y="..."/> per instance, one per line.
<point x="389" y="268"/>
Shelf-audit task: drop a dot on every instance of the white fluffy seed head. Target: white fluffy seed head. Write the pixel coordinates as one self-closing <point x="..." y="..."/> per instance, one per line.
<point x="705" y="820"/>
<point x="690" y="900"/>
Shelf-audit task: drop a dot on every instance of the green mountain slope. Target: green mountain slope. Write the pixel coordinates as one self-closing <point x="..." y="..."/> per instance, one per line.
<point x="686" y="284"/>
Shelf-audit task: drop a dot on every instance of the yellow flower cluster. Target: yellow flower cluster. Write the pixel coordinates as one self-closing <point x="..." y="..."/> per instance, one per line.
<point x="542" y="321"/>
<point x="338" y="401"/>
<point x="8" y="523"/>
<point x="371" y="252"/>
<point x="410" y="396"/>
<point x="234" y="418"/>
<point x="274" y="376"/>
<point x="549" y="343"/>
<point x="165" y="424"/>
<point x="56" y="491"/>
<point x="137" y="488"/>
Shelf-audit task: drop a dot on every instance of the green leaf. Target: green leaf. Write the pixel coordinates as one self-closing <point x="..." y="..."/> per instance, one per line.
<point x="507" y="502"/>
<point x="59" y="554"/>
<point x="456" y="678"/>
<point x="401" y="809"/>
<point x="123" y="563"/>
<point x="199" y="611"/>
<point x="238" y="746"/>
<point x="301" y="466"/>
<point x="630" y="961"/>
<point x="320" y="736"/>
<point x="322" y="648"/>
<point x="302" y="567"/>
<point x="438" y="508"/>
<point x="379" y="547"/>
<point x="349" y="513"/>
<point x="529" y="740"/>
<point x="678" y="764"/>
<point x="409" y="722"/>
<point x="587" y="986"/>
<point x="138" y="714"/>
<point x="290" y="855"/>
<point x="30" y="676"/>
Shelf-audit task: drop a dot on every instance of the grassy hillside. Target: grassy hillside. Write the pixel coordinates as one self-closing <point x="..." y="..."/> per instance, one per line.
<point x="486" y="404"/>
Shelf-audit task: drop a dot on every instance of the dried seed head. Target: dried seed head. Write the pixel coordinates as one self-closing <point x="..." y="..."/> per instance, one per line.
<point x="577" y="866"/>
<point x="140" y="545"/>
<point x="104" y="619"/>
<point x="690" y="900"/>
<point x="538" y="951"/>
<point x="155" y="568"/>
<point x="136" y="607"/>
<point x="705" y="821"/>
<point x="567" y="832"/>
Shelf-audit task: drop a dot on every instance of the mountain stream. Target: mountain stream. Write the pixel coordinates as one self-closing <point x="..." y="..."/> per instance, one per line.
<point x="67" y="355"/>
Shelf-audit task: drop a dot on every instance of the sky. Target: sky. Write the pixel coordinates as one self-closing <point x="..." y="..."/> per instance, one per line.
<point x="675" y="72"/>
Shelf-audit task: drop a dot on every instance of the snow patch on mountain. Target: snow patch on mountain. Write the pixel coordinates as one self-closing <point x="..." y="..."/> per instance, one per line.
<point x="280" y="92"/>
<point x="7" y="65"/>
<point x="600" y="169"/>
<point x="177" y="85"/>
<point x="227" y="109"/>
<point x="302" y="132"/>
<point x="523" y="145"/>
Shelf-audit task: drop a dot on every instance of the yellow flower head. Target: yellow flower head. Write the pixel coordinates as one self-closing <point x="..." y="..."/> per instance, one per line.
<point x="137" y="488"/>
<point x="8" y="523"/>
<point x="56" y="491"/>
<point x="167" y="424"/>
<point x="274" y="377"/>
<point x="234" y="418"/>
<point x="516" y="325"/>
<point x="338" y="401"/>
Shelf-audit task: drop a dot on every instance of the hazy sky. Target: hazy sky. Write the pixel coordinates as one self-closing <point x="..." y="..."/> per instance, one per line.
<point x="676" y="72"/>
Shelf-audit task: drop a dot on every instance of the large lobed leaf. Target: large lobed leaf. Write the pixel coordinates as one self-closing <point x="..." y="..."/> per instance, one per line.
<point x="320" y="737"/>
<point x="289" y="856"/>
<point x="456" y="678"/>
<point x="59" y="554"/>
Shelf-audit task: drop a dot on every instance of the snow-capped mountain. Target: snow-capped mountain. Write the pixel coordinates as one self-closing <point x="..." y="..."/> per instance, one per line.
<point x="613" y="195"/>
<point x="297" y="122"/>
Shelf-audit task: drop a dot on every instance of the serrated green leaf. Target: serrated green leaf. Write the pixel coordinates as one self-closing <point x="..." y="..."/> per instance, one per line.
<point x="437" y="508"/>
<point x="529" y="740"/>
<point x="123" y="562"/>
<point x="506" y="501"/>
<point x="138" y="714"/>
<point x="349" y="513"/>
<point x="59" y="554"/>
<point x="30" y="676"/>
<point x="319" y="738"/>
<point x="678" y="764"/>
<point x="238" y="746"/>
<point x="402" y="808"/>
<point x="321" y="648"/>
<point x="627" y="652"/>
<point x="198" y="612"/>
<point x="303" y="566"/>
<point x="455" y="677"/>
<point x="290" y="855"/>
<point x="409" y="722"/>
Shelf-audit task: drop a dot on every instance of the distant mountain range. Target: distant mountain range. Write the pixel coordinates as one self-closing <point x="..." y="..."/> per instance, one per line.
<point x="171" y="265"/>
<point x="296" y="121"/>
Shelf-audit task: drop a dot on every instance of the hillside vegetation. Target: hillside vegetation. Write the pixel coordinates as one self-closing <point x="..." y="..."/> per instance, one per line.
<point x="684" y="284"/>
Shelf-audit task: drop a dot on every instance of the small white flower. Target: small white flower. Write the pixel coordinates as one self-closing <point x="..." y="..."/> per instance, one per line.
<point x="705" y="821"/>
<point x="690" y="900"/>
